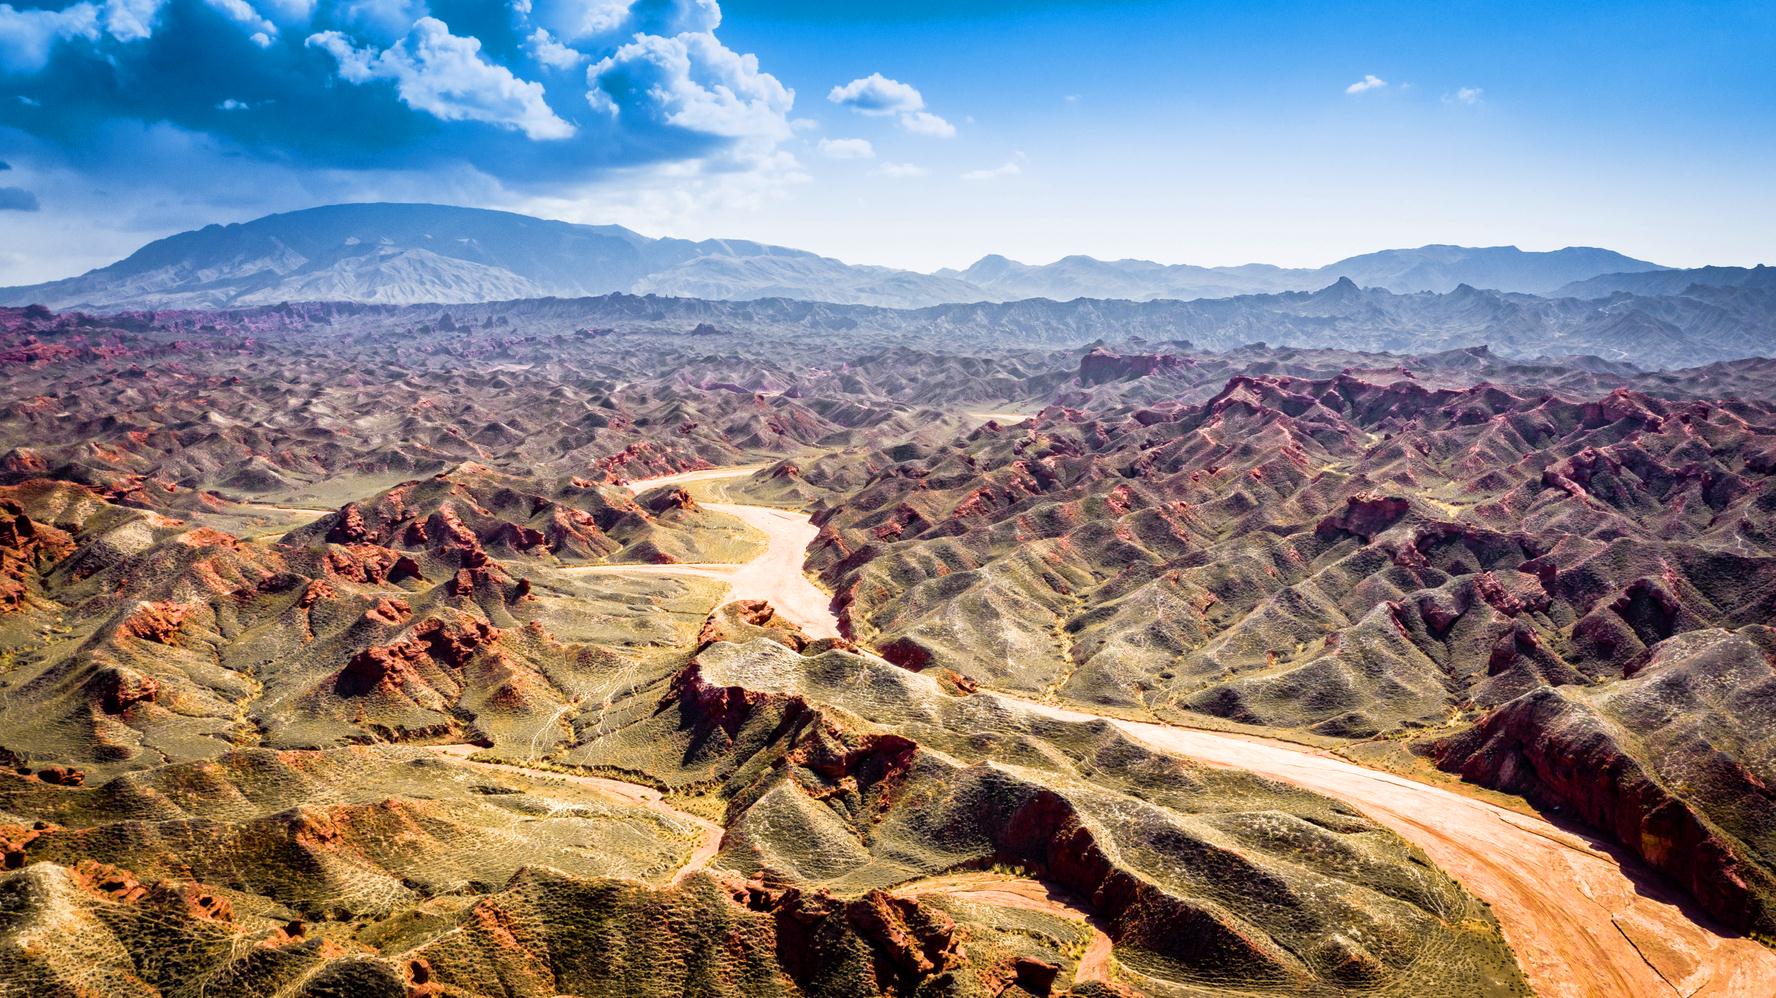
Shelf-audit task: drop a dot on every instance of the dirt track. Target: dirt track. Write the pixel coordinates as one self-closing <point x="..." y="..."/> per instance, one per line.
<point x="776" y="575"/>
<point x="1586" y="920"/>
<point x="708" y="843"/>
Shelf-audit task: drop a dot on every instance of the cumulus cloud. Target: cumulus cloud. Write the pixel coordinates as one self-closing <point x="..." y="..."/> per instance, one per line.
<point x="531" y="93"/>
<point x="1465" y="95"/>
<point x="692" y="82"/>
<point x="1369" y="82"/>
<point x="28" y="36"/>
<point x="878" y="95"/>
<point x="847" y="149"/>
<point x="444" y="75"/>
<point x="17" y="199"/>
<point x="577" y="21"/>
<point x="546" y="50"/>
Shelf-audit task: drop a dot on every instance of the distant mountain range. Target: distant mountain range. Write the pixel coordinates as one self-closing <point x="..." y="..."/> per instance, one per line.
<point x="414" y="253"/>
<point x="1706" y="325"/>
<point x="1437" y="269"/>
<point x="1655" y="283"/>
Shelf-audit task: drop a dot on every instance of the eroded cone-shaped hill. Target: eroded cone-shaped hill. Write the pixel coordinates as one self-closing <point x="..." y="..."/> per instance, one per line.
<point x="1354" y="557"/>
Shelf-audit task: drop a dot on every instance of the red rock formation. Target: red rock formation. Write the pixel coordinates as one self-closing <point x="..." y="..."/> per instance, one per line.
<point x="118" y="688"/>
<point x="743" y="620"/>
<point x="26" y="547"/>
<point x="913" y="941"/>
<point x="160" y="623"/>
<point x="1046" y="833"/>
<point x="1559" y="753"/>
<point x="370" y="564"/>
<point x="1101" y="366"/>
<point x="668" y="500"/>
<point x="1365" y="515"/>
<point x="433" y="642"/>
<point x="389" y="611"/>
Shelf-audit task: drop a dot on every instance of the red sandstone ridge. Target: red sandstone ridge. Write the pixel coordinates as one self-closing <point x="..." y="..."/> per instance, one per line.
<point x="118" y="688"/>
<point x="1668" y="793"/>
<point x="668" y="500"/>
<point x="26" y="547"/>
<point x="370" y="564"/>
<point x="1365" y="515"/>
<point x="414" y="660"/>
<point x="1100" y="366"/>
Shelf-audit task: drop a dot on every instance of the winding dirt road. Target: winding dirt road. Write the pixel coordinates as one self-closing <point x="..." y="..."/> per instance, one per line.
<point x="776" y="575"/>
<point x="1585" y="919"/>
<point x="710" y="834"/>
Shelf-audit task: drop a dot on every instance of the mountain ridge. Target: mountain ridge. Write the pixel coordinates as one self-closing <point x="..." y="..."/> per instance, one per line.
<point x="395" y="253"/>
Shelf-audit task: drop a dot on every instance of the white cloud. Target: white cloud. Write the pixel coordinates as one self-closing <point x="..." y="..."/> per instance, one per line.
<point x="618" y="20"/>
<point x="1010" y="168"/>
<point x="902" y="171"/>
<point x="231" y="105"/>
<point x="1465" y="95"/>
<point x="926" y="123"/>
<point x="692" y="81"/>
<point x="244" y="15"/>
<point x="131" y="20"/>
<point x="546" y="50"/>
<point x="26" y="36"/>
<point x="444" y="75"/>
<point x="847" y="149"/>
<point x="878" y="95"/>
<point x="1369" y="82"/>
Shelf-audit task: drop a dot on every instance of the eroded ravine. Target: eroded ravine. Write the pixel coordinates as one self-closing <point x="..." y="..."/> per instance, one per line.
<point x="1585" y="920"/>
<point x="1001" y="891"/>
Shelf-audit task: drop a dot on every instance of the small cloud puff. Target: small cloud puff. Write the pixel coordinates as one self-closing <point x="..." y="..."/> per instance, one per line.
<point x="926" y="123"/>
<point x="1465" y="95"/>
<point x="878" y="95"/>
<point x="1010" y="168"/>
<point x="847" y="149"/>
<point x="546" y="50"/>
<point x="902" y="171"/>
<point x="1369" y="82"/>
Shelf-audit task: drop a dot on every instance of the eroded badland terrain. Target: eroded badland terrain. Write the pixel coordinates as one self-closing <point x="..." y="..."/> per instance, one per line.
<point x="512" y="650"/>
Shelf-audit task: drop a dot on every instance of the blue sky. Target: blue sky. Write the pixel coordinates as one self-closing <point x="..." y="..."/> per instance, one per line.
<point x="917" y="134"/>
